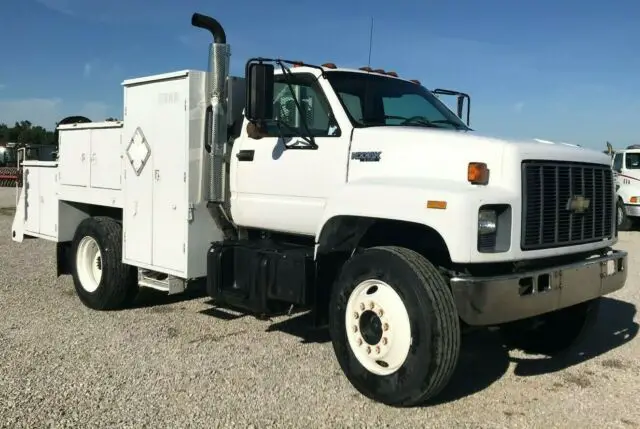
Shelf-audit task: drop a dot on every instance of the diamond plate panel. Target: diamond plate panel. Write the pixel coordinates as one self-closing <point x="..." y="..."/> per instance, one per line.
<point x="138" y="151"/>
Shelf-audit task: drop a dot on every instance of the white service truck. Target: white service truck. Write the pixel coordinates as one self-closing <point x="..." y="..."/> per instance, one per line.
<point x="626" y="167"/>
<point x="354" y="194"/>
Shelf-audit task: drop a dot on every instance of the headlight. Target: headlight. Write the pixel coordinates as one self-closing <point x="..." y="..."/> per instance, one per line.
<point x="494" y="228"/>
<point x="487" y="222"/>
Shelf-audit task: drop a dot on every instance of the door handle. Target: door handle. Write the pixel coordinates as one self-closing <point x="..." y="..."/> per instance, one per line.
<point x="245" y="155"/>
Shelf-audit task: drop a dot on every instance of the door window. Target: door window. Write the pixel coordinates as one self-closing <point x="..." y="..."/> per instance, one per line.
<point x="315" y="107"/>
<point x="617" y="162"/>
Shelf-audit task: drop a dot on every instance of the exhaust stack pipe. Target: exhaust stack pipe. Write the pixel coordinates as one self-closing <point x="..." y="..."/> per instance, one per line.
<point x="214" y="27"/>
<point x="216" y="133"/>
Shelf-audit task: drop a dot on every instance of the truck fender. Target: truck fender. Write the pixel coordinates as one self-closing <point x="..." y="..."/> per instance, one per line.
<point x="360" y="204"/>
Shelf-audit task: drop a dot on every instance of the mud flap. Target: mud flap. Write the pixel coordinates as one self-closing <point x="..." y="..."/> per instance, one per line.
<point x="63" y="261"/>
<point x="19" y="217"/>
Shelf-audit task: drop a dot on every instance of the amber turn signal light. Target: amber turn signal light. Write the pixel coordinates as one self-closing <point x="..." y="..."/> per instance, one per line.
<point x="478" y="173"/>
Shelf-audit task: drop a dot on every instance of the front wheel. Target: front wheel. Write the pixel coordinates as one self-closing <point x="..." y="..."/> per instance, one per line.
<point x="394" y="326"/>
<point x="624" y="222"/>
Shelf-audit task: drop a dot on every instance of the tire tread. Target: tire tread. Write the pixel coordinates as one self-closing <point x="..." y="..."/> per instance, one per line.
<point x="446" y="318"/>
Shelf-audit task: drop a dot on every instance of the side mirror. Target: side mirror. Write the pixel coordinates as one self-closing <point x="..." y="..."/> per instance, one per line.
<point x="260" y="82"/>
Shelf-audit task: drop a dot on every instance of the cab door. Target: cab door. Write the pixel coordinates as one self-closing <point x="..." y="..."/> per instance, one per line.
<point x="617" y="167"/>
<point x="276" y="187"/>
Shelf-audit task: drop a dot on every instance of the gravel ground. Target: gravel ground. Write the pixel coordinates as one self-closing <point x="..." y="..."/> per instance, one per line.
<point x="173" y="362"/>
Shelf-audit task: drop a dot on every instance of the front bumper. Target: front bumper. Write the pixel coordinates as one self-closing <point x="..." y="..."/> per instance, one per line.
<point x="632" y="210"/>
<point x="483" y="301"/>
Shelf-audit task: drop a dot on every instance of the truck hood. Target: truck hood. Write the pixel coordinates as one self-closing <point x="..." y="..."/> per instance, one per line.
<point x="428" y="153"/>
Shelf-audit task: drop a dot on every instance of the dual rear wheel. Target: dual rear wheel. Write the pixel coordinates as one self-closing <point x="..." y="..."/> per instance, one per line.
<point x="101" y="280"/>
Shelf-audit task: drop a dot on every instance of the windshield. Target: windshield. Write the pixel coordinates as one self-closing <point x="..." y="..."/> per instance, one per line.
<point x="374" y="100"/>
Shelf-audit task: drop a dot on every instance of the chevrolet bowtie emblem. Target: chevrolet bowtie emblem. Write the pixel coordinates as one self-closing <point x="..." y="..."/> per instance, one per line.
<point x="578" y="204"/>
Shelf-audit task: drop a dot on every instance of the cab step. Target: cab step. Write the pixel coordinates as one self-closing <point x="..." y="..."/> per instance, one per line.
<point x="161" y="281"/>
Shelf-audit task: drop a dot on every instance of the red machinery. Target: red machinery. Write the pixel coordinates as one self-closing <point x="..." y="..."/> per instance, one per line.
<point x="8" y="164"/>
<point x="9" y="168"/>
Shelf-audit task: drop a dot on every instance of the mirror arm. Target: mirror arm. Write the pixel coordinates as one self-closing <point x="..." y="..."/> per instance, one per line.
<point x="309" y="139"/>
<point x="258" y="114"/>
<point x="310" y="144"/>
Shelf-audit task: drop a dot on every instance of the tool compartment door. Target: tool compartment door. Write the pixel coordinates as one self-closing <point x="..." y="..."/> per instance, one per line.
<point x="106" y="163"/>
<point x="169" y="179"/>
<point x="32" y="196"/>
<point x="138" y="179"/>
<point x="74" y="157"/>
<point x="155" y="150"/>
<point x="48" y="222"/>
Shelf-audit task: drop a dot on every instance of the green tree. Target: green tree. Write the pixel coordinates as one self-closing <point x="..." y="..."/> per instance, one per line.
<point x="25" y="132"/>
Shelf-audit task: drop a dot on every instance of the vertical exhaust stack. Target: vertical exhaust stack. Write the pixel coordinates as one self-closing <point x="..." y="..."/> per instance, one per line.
<point x="216" y="134"/>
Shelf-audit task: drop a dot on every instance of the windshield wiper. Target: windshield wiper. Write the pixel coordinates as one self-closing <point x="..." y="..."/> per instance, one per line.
<point x="447" y="121"/>
<point x="417" y="120"/>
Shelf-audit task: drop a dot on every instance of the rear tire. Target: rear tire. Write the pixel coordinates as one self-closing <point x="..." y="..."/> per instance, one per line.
<point x="394" y="326"/>
<point x="555" y="333"/>
<point x="101" y="280"/>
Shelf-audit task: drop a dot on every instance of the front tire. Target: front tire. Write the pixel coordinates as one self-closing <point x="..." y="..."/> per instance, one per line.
<point x="394" y="326"/>
<point x="625" y="223"/>
<point x="101" y="280"/>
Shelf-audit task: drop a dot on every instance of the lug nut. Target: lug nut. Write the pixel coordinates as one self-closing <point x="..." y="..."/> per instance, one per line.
<point x="359" y="341"/>
<point x="378" y="349"/>
<point x="362" y="306"/>
<point x="356" y="315"/>
<point x="368" y="350"/>
<point x="384" y="341"/>
<point x="371" y="305"/>
<point x="380" y="313"/>
<point x="355" y="328"/>
<point x="385" y="327"/>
